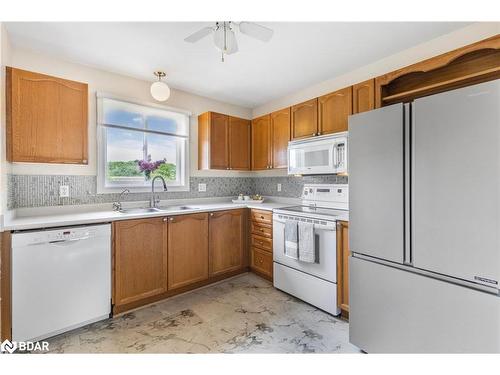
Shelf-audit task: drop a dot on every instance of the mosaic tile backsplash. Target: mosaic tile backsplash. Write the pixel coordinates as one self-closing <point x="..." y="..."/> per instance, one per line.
<point x="43" y="190"/>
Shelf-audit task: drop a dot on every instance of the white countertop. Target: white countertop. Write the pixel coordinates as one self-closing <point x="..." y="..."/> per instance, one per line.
<point x="49" y="217"/>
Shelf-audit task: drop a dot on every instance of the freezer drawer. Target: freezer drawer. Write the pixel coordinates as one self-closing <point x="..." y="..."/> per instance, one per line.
<point x="395" y="311"/>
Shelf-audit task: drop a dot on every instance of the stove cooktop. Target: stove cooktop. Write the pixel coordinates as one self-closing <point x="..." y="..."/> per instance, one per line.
<point x="322" y="211"/>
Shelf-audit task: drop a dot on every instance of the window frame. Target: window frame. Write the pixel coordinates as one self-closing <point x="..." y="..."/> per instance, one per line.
<point x="102" y="149"/>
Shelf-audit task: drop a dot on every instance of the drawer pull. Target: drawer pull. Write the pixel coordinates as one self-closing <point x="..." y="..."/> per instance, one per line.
<point x="262" y="217"/>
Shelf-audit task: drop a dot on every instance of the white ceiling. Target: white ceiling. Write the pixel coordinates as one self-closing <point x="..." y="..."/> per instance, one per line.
<point x="299" y="54"/>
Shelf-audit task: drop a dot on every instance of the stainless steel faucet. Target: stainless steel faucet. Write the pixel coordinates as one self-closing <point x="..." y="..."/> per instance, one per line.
<point x="117" y="206"/>
<point x="154" y="201"/>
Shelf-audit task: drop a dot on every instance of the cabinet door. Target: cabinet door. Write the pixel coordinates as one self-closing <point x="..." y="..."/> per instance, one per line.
<point x="239" y="143"/>
<point x="363" y="96"/>
<point x="227" y="241"/>
<point x="140" y="259"/>
<point x="219" y="141"/>
<point x="187" y="249"/>
<point x="343" y="265"/>
<point x="280" y="129"/>
<point x="334" y="108"/>
<point x="46" y="118"/>
<point x="261" y="143"/>
<point x="305" y="119"/>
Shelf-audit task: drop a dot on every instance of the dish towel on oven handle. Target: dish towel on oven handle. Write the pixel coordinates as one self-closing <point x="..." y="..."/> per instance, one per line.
<point x="291" y="239"/>
<point x="307" y="249"/>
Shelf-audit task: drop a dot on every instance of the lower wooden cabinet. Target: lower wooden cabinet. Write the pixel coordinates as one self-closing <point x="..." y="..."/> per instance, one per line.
<point x="261" y="243"/>
<point x="140" y="259"/>
<point x="227" y="241"/>
<point x="187" y="249"/>
<point x="262" y="261"/>
<point x="343" y="267"/>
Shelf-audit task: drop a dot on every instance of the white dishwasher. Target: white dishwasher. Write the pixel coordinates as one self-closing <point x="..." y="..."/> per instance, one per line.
<point x="61" y="280"/>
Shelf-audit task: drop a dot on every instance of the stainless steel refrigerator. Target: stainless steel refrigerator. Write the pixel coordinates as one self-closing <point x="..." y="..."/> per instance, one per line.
<point x="424" y="180"/>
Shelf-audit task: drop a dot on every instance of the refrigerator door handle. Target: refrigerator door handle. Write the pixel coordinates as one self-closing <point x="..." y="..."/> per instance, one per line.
<point x="407" y="123"/>
<point x="412" y="181"/>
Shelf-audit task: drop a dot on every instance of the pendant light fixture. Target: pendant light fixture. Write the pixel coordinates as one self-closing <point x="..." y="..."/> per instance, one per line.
<point x="159" y="89"/>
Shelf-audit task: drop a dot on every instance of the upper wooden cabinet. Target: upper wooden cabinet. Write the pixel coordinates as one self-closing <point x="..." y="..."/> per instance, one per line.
<point x="213" y="141"/>
<point x="187" y="249"/>
<point x="305" y="119"/>
<point x="239" y="143"/>
<point x="46" y="118"/>
<point x="333" y="110"/>
<point x="468" y="65"/>
<point x="140" y="259"/>
<point x="280" y="135"/>
<point x="261" y="143"/>
<point x="227" y="241"/>
<point x="363" y="96"/>
<point x="223" y="142"/>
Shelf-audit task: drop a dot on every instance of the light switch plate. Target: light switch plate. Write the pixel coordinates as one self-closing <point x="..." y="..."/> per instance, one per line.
<point x="202" y="187"/>
<point x="63" y="191"/>
<point x="278" y="187"/>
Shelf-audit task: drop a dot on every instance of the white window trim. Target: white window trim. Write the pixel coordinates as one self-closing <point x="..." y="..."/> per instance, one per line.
<point x="101" y="144"/>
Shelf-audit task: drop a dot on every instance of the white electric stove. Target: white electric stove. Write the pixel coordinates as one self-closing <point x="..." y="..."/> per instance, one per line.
<point x="315" y="283"/>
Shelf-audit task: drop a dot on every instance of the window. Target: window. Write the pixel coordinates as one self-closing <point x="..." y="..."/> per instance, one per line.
<point x="138" y="142"/>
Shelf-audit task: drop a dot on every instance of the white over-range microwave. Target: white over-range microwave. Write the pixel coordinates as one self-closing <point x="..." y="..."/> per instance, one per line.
<point x="319" y="155"/>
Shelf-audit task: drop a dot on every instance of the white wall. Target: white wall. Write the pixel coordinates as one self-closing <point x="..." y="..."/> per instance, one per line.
<point x="99" y="80"/>
<point x="434" y="47"/>
<point x="5" y="58"/>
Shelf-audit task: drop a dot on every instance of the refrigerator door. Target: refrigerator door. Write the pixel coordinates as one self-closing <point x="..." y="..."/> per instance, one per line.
<point x="456" y="176"/>
<point x="376" y="183"/>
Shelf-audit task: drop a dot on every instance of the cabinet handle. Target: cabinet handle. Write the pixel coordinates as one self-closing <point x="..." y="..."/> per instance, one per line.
<point x="165" y="219"/>
<point x="262" y="217"/>
<point x="314" y="134"/>
<point x="211" y="214"/>
<point x="262" y="230"/>
<point x="318" y="133"/>
<point x="171" y="219"/>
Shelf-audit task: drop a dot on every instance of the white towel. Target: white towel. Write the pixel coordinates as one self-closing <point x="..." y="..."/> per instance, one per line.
<point x="307" y="251"/>
<point x="291" y="247"/>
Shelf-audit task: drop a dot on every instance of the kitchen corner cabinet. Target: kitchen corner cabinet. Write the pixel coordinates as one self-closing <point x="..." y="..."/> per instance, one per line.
<point x="363" y="96"/>
<point x="343" y="267"/>
<point x="140" y="259"/>
<point x="227" y="241"/>
<point x="305" y="119"/>
<point x="46" y="118"/>
<point x="261" y="143"/>
<point x="333" y="111"/>
<point x="223" y="142"/>
<point x="187" y="249"/>
<point x="280" y="136"/>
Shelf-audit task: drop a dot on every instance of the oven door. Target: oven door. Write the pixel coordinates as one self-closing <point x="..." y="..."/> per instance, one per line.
<point x="311" y="157"/>
<point x="326" y="248"/>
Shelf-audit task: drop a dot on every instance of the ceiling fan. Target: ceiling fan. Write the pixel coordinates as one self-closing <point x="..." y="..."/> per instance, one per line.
<point x="225" y="37"/>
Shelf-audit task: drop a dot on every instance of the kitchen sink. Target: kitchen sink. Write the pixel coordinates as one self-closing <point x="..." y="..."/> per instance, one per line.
<point x="142" y="210"/>
<point x="178" y="208"/>
<point x="145" y="210"/>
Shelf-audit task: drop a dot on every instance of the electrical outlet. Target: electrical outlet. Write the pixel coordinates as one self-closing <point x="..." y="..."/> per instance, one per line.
<point x="202" y="187"/>
<point x="278" y="187"/>
<point x="63" y="191"/>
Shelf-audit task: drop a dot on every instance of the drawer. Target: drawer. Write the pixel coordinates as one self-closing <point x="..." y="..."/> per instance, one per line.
<point x="262" y="261"/>
<point x="263" y="243"/>
<point x="261" y="216"/>
<point x="260" y="229"/>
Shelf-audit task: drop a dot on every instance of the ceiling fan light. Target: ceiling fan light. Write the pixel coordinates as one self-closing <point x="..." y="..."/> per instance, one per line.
<point x="160" y="91"/>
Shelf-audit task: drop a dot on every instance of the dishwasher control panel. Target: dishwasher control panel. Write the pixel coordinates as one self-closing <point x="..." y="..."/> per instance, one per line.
<point x="56" y="235"/>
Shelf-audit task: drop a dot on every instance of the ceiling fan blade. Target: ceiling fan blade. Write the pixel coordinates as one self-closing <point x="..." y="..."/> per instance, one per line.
<point x="200" y="34"/>
<point x="256" y="31"/>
